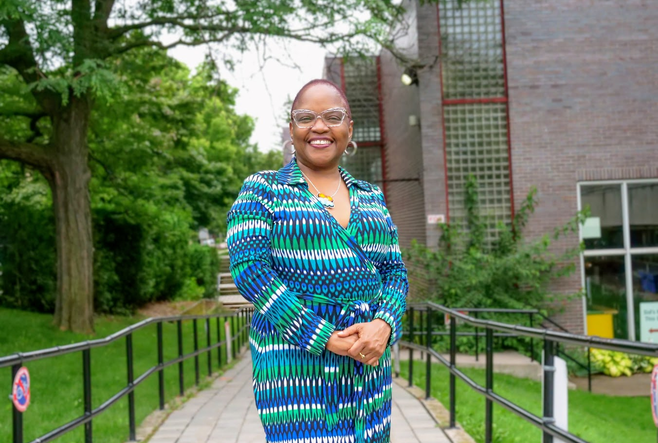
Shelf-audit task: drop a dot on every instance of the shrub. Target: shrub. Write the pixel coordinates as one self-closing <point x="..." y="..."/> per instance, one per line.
<point x="466" y="271"/>
<point x="615" y="364"/>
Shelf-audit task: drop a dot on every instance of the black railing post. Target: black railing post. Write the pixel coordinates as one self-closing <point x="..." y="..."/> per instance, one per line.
<point x="181" y="373"/>
<point x="244" y="330"/>
<point x="208" y="346"/>
<point x="196" y="348"/>
<point x="17" y="417"/>
<point x="241" y="330"/>
<point x="477" y="339"/>
<point x="231" y="321"/>
<point x="488" y="414"/>
<point x="131" y="394"/>
<point x="219" y="339"/>
<point x="161" y="383"/>
<point x="532" y="340"/>
<point x="453" y="378"/>
<point x="589" y="369"/>
<point x="422" y="337"/>
<point x="428" y="356"/>
<point x="411" y="350"/>
<point x="549" y="373"/>
<point x="86" y="388"/>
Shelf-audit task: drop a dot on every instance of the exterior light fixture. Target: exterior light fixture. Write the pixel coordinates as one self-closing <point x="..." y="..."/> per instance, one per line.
<point x="409" y="77"/>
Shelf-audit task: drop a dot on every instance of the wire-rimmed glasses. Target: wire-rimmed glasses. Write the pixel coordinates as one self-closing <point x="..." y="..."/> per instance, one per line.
<point x="305" y="118"/>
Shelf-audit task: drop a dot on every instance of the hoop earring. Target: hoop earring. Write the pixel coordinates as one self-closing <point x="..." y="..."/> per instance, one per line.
<point x="346" y="153"/>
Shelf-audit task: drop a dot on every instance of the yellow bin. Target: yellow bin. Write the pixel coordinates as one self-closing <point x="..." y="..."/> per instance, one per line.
<point x="600" y="324"/>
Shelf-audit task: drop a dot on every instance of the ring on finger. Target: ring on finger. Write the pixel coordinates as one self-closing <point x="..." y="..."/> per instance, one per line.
<point x="362" y="356"/>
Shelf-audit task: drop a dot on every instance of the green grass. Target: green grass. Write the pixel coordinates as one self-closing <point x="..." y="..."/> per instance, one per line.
<point x="593" y="417"/>
<point x="57" y="382"/>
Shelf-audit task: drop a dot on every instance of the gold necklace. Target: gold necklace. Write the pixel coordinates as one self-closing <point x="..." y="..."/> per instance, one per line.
<point x="326" y="200"/>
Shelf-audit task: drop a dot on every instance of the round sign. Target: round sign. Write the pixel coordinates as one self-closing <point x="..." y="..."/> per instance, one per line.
<point x="21" y="389"/>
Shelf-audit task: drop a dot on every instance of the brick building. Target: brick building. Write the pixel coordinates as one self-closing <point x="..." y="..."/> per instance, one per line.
<point x="561" y="95"/>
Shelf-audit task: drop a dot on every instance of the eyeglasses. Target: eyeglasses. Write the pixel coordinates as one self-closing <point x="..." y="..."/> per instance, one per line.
<point x="305" y="118"/>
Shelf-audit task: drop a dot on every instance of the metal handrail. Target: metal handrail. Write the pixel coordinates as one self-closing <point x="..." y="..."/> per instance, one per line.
<point x="422" y="307"/>
<point x="239" y="329"/>
<point x="547" y="422"/>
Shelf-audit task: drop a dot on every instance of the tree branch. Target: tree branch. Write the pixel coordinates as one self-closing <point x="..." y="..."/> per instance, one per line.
<point x="36" y="132"/>
<point x="19" y="54"/>
<point x="102" y="11"/>
<point x="23" y="113"/>
<point x="107" y="169"/>
<point x="179" y="20"/>
<point x="157" y="44"/>
<point x="29" y="153"/>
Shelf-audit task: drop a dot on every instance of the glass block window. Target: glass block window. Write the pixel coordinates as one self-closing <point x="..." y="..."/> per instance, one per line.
<point x="475" y="113"/>
<point x="361" y="89"/>
<point x="472" y="49"/>
<point x="366" y="164"/>
<point x="476" y="142"/>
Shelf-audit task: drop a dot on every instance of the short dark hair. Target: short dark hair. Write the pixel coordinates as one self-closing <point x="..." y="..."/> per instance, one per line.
<point x="321" y="81"/>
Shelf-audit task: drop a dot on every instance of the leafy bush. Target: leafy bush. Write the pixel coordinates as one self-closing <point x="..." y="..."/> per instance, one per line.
<point x="466" y="271"/>
<point x="27" y="246"/>
<point x="616" y="364"/>
<point x="148" y="256"/>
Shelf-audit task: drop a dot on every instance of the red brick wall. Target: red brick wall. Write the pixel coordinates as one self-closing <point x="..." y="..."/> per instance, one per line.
<point x="583" y="91"/>
<point x="403" y="154"/>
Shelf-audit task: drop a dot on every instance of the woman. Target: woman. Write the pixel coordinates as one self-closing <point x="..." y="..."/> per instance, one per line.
<point x="317" y="254"/>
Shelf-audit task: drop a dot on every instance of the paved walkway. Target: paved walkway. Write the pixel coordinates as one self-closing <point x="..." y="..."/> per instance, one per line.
<point x="226" y="413"/>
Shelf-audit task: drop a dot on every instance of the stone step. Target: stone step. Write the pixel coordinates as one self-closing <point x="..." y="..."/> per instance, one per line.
<point x="233" y="301"/>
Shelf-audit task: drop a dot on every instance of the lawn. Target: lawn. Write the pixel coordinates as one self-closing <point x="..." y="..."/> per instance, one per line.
<point x="57" y="382"/>
<point x="593" y="417"/>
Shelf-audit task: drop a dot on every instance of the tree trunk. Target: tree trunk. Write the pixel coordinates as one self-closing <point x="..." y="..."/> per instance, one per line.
<point x="74" y="308"/>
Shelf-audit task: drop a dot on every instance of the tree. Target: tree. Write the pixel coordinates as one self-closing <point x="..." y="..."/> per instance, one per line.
<point x="167" y="157"/>
<point x="62" y="52"/>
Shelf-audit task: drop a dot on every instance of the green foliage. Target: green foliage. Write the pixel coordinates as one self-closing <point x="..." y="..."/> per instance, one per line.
<point x="92" y="76"/>
<point x="70" y="47"/>
<point x="27" y="242"/>
<point x="168" y="156"/>
<point x="513" y="272"/>
<point x="616" y="364"/>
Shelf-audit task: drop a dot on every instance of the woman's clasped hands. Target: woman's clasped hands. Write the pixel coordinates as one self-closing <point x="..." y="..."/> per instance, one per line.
<point x="364" y="342"/>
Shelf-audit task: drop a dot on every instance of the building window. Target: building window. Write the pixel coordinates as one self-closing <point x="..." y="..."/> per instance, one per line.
<point x="475" y="109"/>
<point x="360" y="80"/>
<point x="620" y="261"/>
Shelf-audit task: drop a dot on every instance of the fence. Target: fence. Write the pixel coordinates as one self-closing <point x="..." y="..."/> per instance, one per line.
<point x="238" y="332"/>
<point x="532" y="315"/>
<point x="429" y="328"/>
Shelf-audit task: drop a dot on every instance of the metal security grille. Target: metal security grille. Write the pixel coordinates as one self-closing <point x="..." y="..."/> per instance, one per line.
<point x="472" y="49"/>
<point x="476" y="142"/>
<point x="475" y="110"/>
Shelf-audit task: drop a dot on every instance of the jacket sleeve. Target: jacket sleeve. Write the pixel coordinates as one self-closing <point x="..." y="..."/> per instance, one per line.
<point x="250" y="222"/>
<point x="392" y="298"/>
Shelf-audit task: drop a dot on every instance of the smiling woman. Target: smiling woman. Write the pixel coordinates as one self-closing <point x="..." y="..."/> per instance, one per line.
<point x="324" y="272"/>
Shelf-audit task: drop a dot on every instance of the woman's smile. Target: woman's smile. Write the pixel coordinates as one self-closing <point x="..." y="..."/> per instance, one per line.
<point x="320" y="142"/>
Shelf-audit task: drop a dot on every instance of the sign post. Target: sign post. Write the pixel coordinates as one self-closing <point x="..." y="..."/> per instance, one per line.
<point x="20" y="393"/>
<point x="649" y="322"/>
<point x="20" y="397"/>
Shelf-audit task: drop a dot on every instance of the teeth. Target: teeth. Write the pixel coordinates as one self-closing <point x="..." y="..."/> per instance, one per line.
<point x="320" y="142"/>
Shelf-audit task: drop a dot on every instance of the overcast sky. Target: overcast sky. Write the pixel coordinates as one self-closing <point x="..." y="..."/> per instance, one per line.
<point x="264" y="89"/>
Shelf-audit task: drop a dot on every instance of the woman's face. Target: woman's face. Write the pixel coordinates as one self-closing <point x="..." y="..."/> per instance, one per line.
<point x="320" y="146"/>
